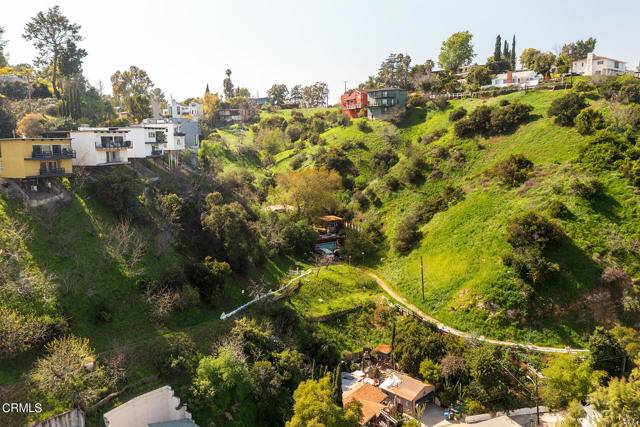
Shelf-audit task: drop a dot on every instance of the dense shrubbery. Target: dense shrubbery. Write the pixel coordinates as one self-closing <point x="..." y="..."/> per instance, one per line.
<point x="457" y="114"/>
<point x="583" y="86"/>
<point x="604" y="150"/>
<point x="565" y="109"/>
<point x="117" y="191"/>
<point x="433" y="136"/>
<point x="407" y="233"/>
<point x="383" y="161"/>
<point x="514" y="170"/>
<point x="486" y="120"/>
<point x="589" y="121"/>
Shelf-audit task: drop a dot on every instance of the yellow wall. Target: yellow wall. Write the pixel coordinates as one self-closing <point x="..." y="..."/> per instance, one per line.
<point x="15" y="152"/>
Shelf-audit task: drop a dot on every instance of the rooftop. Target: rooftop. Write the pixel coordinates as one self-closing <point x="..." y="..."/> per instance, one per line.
<point x="383" y="348"/>
<point x="404" y="386"/>
<point x="369" y="396"/>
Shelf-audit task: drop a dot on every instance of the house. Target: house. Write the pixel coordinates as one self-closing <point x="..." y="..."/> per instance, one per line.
<point x="405" y="392"/>
<point x="260" y="101"/>
<point x="375" y="411"/>
<point x="176" y="110"/>
<point x="100" y="146"/>
<point x="175" y="137"/>
<point x="386" y="103"/>
<point x="157" y="408"/>
<point x="145" y="141"/>
<point x="36" y="161"/>
<point x="353" y="102"/>
<point x="227" y="116"/>
<point x="594" y="65"/>
<point x="521" y="78"/>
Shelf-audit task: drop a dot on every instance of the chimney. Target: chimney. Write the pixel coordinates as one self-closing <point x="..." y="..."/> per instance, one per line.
<point x="509" y="76"/>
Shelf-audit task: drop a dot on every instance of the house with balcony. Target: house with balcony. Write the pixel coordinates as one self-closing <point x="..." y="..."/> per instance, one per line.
<point x="100" y="146"/>
<point x="145" y="141"/>
<point x="386" y="103"/>
<point x="36" y="161"/>
<point x="594" y="65"/>
<point x="353" y="102"/>
<point x="176" y="110"/>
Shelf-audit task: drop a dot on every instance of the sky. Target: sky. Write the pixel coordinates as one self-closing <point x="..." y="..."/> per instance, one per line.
<point x="188" y="44"/>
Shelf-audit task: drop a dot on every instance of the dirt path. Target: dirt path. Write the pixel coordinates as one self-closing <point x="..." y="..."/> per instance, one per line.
<point x="441" y="326"/>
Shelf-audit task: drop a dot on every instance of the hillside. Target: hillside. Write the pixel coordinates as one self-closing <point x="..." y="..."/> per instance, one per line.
<point x="468" y="286"/>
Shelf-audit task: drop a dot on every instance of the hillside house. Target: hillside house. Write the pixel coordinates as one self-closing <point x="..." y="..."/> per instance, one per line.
<point x="100" y="146"/>
<point x="406" y="392"/>
<point x="175" y="110"/>
<point x="594" y="65"/>
<point x="386" y="103"/>
<point x="354" y="102"/>
<point x="521" y="78"/>
<point x="157" y="408"/>
<point x="227" y="116"/>
<point x="36" y="161"/>
<point x="375" y="411"/>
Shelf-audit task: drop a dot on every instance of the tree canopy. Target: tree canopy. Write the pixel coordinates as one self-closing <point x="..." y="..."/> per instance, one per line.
<point x="309" y="191"/>
<point x="456" y="51"/>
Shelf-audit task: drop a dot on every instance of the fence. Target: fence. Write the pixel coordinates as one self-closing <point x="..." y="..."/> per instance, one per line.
<point x="496" y="92"/>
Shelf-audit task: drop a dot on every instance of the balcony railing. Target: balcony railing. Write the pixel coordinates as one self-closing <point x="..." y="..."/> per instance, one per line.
<point x="62" y="154"/>
<point x="388" y="102"/>
<point x="156" y="152"/>
<point x="111" y="145"/>
<point x="58" y="171"/>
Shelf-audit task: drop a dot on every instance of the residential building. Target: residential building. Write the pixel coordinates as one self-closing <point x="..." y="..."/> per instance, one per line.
<point x="594" y="65"/>
<point x="386" y="103"/>
<point x="260" y="101"/>
<point x="406" y="392"/>
<point x="353" y="102"/>
<point x="373" y="400"/>
<point x="521" y="78"/>
<point x="100" y="146"/>
<point x="36" y="159"/>
<point x="145" y="142"/>
<point x="174" y="138"/>
<point x="191" y="110"/>
<point x="189" y="127"/>
<point x="157" y="408"/>
<point x="227" y="116"/>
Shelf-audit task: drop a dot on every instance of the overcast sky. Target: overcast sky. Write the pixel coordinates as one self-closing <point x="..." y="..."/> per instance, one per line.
<point x="184" y="45"/>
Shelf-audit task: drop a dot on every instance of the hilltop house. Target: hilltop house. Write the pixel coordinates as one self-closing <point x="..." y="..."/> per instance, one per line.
<point x="176" y="110"/>
<point x="594" y="65"/>
<point x="406" y="392"/>
<point x="35" y="161"/>
<point x="522" y="78"/>
<point x="226" y="116"/>
<point x="386" y="103"/>
<point x="353" y="102"/>
<point x="100" y="146"/>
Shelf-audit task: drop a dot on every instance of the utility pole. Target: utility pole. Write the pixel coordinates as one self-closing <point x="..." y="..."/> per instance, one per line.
<point x="345" y="86"/>
<point x="537" y="400"/>
<point x="422" y="277"/>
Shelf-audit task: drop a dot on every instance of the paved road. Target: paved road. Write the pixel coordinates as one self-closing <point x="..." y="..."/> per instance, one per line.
<point x="461" y="334"/>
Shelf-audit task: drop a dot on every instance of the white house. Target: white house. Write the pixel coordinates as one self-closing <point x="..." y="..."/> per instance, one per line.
<point x="594" y="65"/>
<point x="145" y="142"/>
<point x="523" y="78"/>
<point x="176" y="110"/>
<point x="159" y="406"/>
<point x="100" y="146"/>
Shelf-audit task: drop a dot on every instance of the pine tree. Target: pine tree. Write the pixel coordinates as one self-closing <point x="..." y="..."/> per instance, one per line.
<point x="496" y="51"/>
<point x="337" y="385"/>
<point x="505" y="52"/>
<point x="207" y="89"/>
<point x="513" y="53"/>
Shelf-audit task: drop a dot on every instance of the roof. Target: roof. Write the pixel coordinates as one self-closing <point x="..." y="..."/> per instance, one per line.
<point x="185" y="422"/>
<point x="35" y="139"/>
<point x="331" y="218"/>
<point x="369" y="396"/>
<point x="386" y="88"/>
<point x="383" y="348"/>
<point x="404" y="386"/>
<point x="597" y="57"/>
<point x="501" y="421"/>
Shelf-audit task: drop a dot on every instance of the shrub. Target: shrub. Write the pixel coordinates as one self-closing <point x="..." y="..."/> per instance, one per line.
<point x="603" y="151"/>
<point x="531" y="229"/>
<point x="504" y="102"/>
<point x="588" y="121"/>
<point x="628" y="115"/>
<point x="583" y="86"/>
<point x="507" y="118"/>
<point x="392" y="183"/>
<point x="565" y="109"/>
<point x="457" y="114"/>
<point x="384" y="160"/>
<point x="433" y="136"/>
<point x="179" y="358"/>
<point x="298" y="160"/>
<point x="364" y="126"/>
<point x="407" y="233"/>
<point x="630" y="92"/>
<point x="590" y="189"/>
<point x="557" y="209"/>
<point x="294" y="132"/>
<point x="514" y="170"/>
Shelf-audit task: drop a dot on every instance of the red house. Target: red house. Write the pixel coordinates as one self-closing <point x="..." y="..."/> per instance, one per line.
<point x="353" y="102"/>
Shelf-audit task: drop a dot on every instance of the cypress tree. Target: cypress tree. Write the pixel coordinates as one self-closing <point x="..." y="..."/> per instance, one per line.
<point x="337" y="385"/>
<point x="505" y="53"/>
<point x="513" y="53"/>
<point x="496" y="51"/>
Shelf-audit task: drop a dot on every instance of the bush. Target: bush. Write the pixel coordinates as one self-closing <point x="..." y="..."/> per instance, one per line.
<point x="504" y="102"/>
<point x="457" y="114"/>
<point x="565" y="109"/>
<point x="583" y="86"/>
<point x="407" y="233"/>
<point x="590" y="189"/>
<point x="588" y="121"/>
<point x="630" y="92"/>
<point x="179" y="358"/>
<point x="507" y="118"/>
<point x="392" y="183"/>
<point x="603" y="151"/>
<point x="384" y="160"/>
<point x="364" y="125"/>
<point x="557" y="209"/>
<point x="433" y="136"/>
<point x="514" y="170"/>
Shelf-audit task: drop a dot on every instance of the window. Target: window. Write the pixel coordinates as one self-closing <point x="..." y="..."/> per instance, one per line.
<point x="118" y="139"/>
<point x="600" y="62"/>
<point x="151" y="134"/>
<point x="616" y="64"/>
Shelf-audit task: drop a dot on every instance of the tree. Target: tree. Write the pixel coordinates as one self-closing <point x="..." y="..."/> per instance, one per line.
<point x="528" y="56"/>
<point x="227" y="85"/>
<point x="314" y="406"/>
<point x="566" y="378"/>
<point x="278" y="94"/>
<point x="310" y="191"/>
<point x="139" y="106"/>
<point x="7" y="120"/>
<point x="540" y="62"/>
<point x="296" y="94"/>
<point x="575" y="412"/>
<point x="497" y="52"/>
<point x="50" y="33"/>
<point x="71" y="57"/>
<point x="619" y="401"/>
<point x="607" y="354"/>
<point x="241" y="92"/>
<point x="456" y="51"/>
<point x="395" y="71"/>
<point x="68" y="375"/>
<point x="430" y="371"/>
<point x="269" y="393"/>
<point x="479" y="76"/>
<point x="315" y="95"/>
<point x="210" y="104"/>
<point x="30" y="126"/>
<point x="563" y="63"/>
<point x="134" y="81"/>
<point x="506" y="54"/>
<point x="414" y="343"/>
<point x="513" y="53"/>
<point x="221" y="390"/>
<point x="3" y="56"/>
<point x="629" y="338"/>
<point x="579" y="49"/>
<point x="337" y="385"/>
<point x="487" y="384"/>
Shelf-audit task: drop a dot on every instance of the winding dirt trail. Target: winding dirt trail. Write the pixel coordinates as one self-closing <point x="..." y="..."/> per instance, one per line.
<point x="441" y="326"/>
